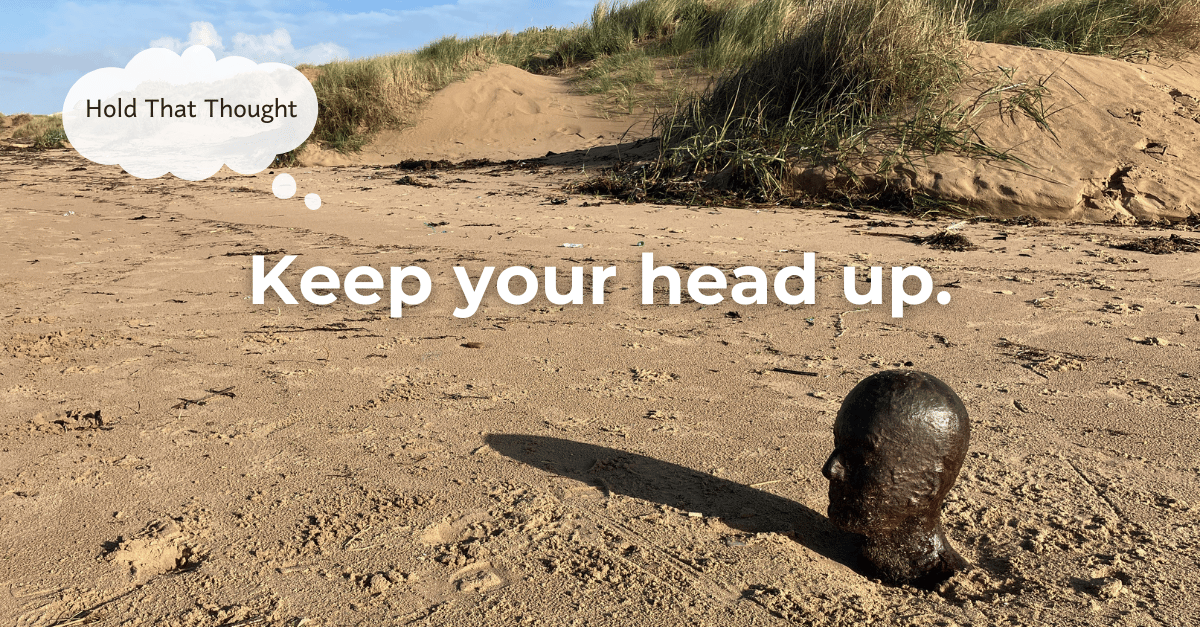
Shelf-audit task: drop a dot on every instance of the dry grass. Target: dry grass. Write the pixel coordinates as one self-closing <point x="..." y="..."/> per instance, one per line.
<point x="617" y="46"/>
<point x="1117" y="28"/>
<point x="46" y="131"/>
<point x="358" y="98"/>
<point x="833" y="80"/>
<point x="867" y="84"/>
<point x="830" y="88"/>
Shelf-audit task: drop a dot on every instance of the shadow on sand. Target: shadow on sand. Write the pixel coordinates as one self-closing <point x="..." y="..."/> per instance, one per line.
<point x="598" y="156"/>
<point x="738" y="506"/>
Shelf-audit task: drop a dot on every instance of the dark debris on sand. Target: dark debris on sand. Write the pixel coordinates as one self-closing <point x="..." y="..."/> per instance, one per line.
<point x="1022" y="220"/>
<point x="409" y="180"/>
<point x="946" y="240"/>
<point x="1162" y="245"/>
<point x="73" y="420"/>
<point x="443" y="164"/>
<point x="1190" y="223"/>
<point x="634" y="189"/>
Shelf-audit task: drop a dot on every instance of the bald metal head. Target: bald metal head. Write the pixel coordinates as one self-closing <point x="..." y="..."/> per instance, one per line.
<point x="900" y="438"/>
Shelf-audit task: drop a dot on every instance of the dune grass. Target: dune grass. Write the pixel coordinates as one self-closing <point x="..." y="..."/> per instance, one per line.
<point x="818" y="91"/>
<point x="360" y="97"/>
<point x="833" y="81"/>
<point x="1117" y="28"/>
<point x="46" y="131"/>
<point x="866" y="85"/>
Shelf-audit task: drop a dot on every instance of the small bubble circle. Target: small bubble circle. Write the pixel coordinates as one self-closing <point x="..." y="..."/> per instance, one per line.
<point x="313" y="201"/>
<point x="943" y="298"/>
<point x="284" y="186"/>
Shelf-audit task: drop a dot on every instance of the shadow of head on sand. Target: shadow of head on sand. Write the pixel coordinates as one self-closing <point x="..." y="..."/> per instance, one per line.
<point x="738" y="506"/>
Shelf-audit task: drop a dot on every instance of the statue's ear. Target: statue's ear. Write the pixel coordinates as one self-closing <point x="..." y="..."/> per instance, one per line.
<point x="934" y="480"/>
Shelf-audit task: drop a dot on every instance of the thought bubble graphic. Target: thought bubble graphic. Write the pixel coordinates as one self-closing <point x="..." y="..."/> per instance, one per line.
<point x="189" y="114"/>
<point x="284" y="186"/>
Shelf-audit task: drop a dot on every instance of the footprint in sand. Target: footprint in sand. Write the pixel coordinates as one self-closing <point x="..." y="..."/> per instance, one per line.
<point x="476" y="578"/>
<point x="159" y="548"/>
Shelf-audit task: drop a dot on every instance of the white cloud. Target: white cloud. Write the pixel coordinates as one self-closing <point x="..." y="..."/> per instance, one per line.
<point x="202" y="34"/>
<point x="276" y="46"/>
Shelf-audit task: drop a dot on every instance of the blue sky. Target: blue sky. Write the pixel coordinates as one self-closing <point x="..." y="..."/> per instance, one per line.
<point x="46" y="46"/>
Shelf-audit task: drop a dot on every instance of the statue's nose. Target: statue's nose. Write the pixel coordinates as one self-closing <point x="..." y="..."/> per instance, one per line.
<point x="833" y="468"/>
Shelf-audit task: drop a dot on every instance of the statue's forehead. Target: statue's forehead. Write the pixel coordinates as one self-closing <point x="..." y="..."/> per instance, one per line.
<point x="855" y="432"/>
<point x="887" y="425"/>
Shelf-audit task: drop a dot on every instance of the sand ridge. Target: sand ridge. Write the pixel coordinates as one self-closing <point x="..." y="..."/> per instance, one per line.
<point x="1122" y="142"/>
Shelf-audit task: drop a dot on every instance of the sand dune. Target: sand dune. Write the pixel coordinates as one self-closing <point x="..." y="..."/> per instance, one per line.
<point x="1122" y="143"/>
<point x="501" y="113"/>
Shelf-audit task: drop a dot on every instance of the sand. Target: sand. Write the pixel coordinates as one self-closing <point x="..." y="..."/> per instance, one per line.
<point x="1119" y="143"/>
<point x="501" y="113"/>
<point x="174" y="454"/>
<point x="1122" y="142"/>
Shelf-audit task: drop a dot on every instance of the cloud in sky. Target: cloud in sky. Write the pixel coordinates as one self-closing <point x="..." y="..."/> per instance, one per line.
<point x="276" y="46"/>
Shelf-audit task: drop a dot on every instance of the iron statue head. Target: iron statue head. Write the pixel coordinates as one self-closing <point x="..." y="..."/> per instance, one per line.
<point x="900" y="438"/>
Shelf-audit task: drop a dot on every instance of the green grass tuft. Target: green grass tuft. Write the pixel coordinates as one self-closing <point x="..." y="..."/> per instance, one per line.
<point x="46" y="131"/>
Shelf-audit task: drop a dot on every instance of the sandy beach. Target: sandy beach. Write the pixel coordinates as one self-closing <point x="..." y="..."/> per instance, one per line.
<point x="177" y="455"/>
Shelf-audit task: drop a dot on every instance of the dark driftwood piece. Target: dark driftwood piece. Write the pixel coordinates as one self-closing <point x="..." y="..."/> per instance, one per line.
<point x="899" y="440"/>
